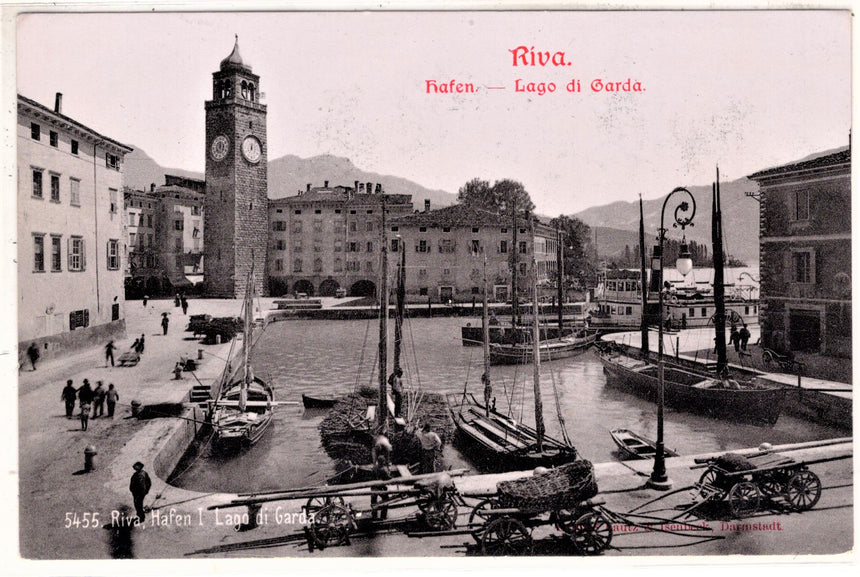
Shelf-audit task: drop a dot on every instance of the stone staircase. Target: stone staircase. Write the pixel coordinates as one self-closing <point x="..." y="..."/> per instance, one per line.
<point x="200" y="393"/>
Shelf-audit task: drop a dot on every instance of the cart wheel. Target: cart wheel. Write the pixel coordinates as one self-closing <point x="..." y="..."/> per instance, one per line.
<point x="506" y="536"/>
<point x="314" y="504"/>
<point x="767" y="357"/>
<point x="803" y="490"/>
<point x="441" y="514"/>
<point x="744" y="499"/>
<point x="331" y="525"/>
<point x="591" y="534"/>
<point x="480" y="512"/>
<point x="565" y="519"/>
<point x="770" y="485"/>
<point x="708" y="487"/>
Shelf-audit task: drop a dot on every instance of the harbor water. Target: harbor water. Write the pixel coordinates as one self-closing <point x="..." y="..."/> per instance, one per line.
<point x="330" y="358"/>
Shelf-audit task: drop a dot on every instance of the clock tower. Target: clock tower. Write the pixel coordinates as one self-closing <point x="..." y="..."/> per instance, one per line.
<point x="236" y="217"/>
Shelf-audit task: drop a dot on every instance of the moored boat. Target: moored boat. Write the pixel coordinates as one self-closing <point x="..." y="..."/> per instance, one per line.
<point x="310" y="402"/>
<point x="549" y="349"/>
<point x="501" y="443"/>
<point x="632" y="445"/>
<point x="244" y="405"/>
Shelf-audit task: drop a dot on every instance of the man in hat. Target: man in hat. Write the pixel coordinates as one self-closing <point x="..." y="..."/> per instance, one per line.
<point x="139" y="487"/>
<point x="430" y="444"/>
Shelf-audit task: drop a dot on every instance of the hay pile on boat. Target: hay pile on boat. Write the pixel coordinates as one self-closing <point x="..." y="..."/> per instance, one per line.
<point x="345" y="435"/>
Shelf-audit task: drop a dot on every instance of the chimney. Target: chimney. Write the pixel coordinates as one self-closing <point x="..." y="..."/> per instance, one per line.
<point x="426" y="205"/>
<point x="356" y="186"/>
<point x="308" y="188"/>
<point x="58" y="103"/>
<point x="326" y="184"/>
<point x="152" y="187"/>
<point x="368" y="188"/>
<point x="378" y="188"/>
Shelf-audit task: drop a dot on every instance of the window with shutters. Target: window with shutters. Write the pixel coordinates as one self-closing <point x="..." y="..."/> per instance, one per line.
<point x="804" y="266"/>
<point x="113" y="254"/>
<point x="38" y="253"/>
<point x="74" y="192"/>
<point x="37" y="183"/>
<point x="77" y="256"/>
<point x="55" y="187"/>
<point x="56" y="253"/>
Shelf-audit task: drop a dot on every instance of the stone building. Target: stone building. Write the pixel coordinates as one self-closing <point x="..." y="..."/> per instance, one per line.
<point x="327" y="238"/>
<point x="805" y="256"/>
<point x="165" y="237"/>
<point x="446" y="250"/>
<point x="236" y="198"/>
<point x="70" y="231"/>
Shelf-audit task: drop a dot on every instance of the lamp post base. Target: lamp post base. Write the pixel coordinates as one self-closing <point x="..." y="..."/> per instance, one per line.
<point x="663" y="483"/>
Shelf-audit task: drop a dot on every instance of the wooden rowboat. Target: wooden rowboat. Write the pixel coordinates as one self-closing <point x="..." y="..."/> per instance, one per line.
<point x="632" y="445"/>
<point x="310" y="402"/>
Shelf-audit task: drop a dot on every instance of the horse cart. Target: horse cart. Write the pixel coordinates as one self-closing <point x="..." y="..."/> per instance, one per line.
<point x="750" y="483"/>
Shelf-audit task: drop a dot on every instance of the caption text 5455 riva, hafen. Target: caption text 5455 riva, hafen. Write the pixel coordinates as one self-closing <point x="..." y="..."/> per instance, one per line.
<point x="523" y="56"/>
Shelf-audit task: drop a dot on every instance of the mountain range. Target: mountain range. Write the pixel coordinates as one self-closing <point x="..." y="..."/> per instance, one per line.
<point x="613" y="225"/>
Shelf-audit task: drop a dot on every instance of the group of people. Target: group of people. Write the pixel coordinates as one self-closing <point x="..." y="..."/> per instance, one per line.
<point x="180" y="301"/>
<point x="90" y="400"/>
<point x="739" y="338"/>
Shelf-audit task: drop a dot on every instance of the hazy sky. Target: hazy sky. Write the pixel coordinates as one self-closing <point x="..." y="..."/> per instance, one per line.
<point x="742" y="89"/>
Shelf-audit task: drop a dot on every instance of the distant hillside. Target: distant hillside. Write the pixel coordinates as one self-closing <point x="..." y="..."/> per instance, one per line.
<point x="289" y="174"/>
<point x="140" y="170"/>
<point x="740" y="220"/>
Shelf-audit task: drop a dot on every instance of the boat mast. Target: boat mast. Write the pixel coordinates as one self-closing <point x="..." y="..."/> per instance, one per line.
<point x="246" y="337"/>
<point x="382" y="408"/>
<point x="485" y="329"/>
<point x="560" y="265"/>
<point x="398" y="310"/>
<point x="515" y="305"/>
<point x="719" y="287"/>
<point x="539" y="426"/>
<point x="643" y="321"/>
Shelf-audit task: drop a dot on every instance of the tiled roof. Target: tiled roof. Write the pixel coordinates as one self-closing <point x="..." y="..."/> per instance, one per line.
<point x="456" y="215"/>
<point x="341" y="194"/>
<point x="840" y="157"/>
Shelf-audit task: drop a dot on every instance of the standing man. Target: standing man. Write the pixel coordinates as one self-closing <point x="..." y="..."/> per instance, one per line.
<point x="735" y="339"/>
<point x="33" y="354"/>
<point x="744" y="336"/>
<point x="145" y="299"/>
<point x="164" y="322"/>
<point x="141" y="343"/>
<point x="111" y="397"/>
<point x="396" y="383"/>
<point x="139" y="487"/>
<point x="68" y="396"/>
<point x="430" y="443"/>
<point x="381" y="456"/>
<point x="99" y="400"/>
<point x="109" y="349"/>
<point x="184" y="303"/>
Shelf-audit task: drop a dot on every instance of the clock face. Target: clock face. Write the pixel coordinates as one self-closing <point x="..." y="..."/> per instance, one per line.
<point x="220" y="147"/>
<point x="251" y="149"/>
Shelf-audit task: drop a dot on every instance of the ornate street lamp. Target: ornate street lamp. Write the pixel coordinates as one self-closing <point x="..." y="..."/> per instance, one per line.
<point x="683" y="217"/>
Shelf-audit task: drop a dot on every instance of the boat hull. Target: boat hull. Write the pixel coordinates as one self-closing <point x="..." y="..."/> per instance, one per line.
<point x="550" y="350"/>
<point x="760" y="405"/>
<point x="498" y="443"/>
<point x="634" y="446"/>
<point x="232" y="426"/>
<point x="317" y="403"/>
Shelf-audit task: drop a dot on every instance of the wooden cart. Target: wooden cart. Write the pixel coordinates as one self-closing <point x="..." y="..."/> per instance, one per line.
<point x="766" y="478"/>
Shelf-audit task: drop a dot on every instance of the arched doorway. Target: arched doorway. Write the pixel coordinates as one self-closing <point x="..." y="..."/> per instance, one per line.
<point x="363" y="288"/>
<point x="328" y="287"/>
<point x="304" y="286"/>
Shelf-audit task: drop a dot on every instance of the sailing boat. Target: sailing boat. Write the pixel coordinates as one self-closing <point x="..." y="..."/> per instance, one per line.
<point x="549" y="348"/>
<point x="497" y="439"/>
<point x="244" y="408"/>
<point x="736" y="393"/>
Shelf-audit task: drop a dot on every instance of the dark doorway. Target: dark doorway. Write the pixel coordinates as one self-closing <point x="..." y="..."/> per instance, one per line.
<point x="304" y="286"/>
<point x="328" y="287"/>
<point x="363" y="288"/>
<point x="804" y="330"/>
